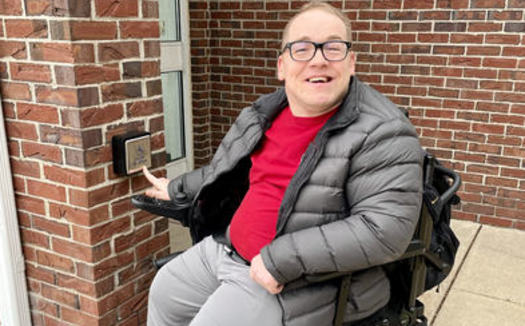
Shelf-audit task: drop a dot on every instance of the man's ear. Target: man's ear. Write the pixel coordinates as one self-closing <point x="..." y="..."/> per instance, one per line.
<point x="280" y="68"/>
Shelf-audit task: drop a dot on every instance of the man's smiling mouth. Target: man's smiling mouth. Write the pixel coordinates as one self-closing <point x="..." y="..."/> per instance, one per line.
<point x="317" y="80"/>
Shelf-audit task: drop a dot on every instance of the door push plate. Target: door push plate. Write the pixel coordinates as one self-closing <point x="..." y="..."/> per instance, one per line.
<point x="131" y="151"/>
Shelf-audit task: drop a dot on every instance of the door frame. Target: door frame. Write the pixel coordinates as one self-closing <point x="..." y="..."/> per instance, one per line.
<point x="170" y="63"/>
<point x="14" y="310"/>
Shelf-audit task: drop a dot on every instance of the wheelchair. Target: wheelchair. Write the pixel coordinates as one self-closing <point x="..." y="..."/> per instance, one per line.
<point x="404" y="309"/>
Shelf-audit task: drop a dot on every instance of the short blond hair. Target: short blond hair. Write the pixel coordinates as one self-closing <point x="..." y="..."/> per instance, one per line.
<point x="319" y="5"/>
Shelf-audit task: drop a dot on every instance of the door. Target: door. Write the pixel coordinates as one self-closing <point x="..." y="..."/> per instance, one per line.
<point x="176" y="93"/>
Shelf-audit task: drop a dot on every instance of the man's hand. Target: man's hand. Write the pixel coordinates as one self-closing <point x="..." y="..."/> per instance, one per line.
<point x="160" y="186"/>
<point x="260" y="274"/>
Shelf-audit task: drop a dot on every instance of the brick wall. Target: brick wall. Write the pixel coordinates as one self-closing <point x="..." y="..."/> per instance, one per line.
<point x="73" y="74"/>
<point x="457" y="65"/>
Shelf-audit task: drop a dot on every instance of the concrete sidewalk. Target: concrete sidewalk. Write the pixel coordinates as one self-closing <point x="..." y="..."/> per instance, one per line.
<point x="487" y="285"/>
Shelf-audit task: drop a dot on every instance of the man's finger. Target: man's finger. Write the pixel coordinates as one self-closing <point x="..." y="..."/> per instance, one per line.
<point x="151" y="178"/>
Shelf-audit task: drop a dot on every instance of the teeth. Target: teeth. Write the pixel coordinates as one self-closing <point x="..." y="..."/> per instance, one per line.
<point x="318" y="80"/>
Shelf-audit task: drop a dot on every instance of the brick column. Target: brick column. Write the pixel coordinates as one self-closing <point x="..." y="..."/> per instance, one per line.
<point x="73" y="74"/>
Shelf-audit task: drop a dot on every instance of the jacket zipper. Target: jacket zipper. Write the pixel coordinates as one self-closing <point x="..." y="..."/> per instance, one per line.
<point x="306" y="167"/>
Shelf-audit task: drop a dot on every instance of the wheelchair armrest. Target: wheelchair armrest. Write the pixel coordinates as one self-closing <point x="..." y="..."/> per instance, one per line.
<point x="177" y="209"/>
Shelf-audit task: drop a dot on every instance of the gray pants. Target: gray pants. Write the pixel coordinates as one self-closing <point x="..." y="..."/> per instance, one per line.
<point x="205" y="287"/>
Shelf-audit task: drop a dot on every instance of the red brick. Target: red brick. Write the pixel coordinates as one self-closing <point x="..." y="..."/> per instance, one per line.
<point x="65" y="176"/>
<point x="13" y="49"/>
<point x="30" y="204"/>
<point x="62" y="52"/>
<point x="93" y="30"/>
<point x="488" y="128"/>
<point x="85" y="253"/>
<point x="74" y="283"/>
<point x="117" y="50"/>
<point x="102" y="232"/>
<point x="458" y="50"/>
<point x="59" y="295"/>
<point x="116" y="298"/>
<point x="127" y="241"/>
<point x="496" y="221"/>
<point x="483" y="50"/>
<point x="485" y="27"/>
<point x="440" y="92"/>
<point x="514" y="151"/>
<point x="465" y="61"/>
<point x="510" y="97"/>
<point x="140" y="29"/>
<point x="512" y="162"/>
<point x="480" y="95"/>
<point x="487" y="4"/>
<point x="509" y="213"/>
<point x="77" y="97"/>
<point x="96" y="74"/>
<point x="46" y="190"/>
<point x="107" y="193"/>
<point x="133" y="304"/>
<point x="495" y="107"/>
<point x="55" y="261"/>
<point x="35" y="238"/>
<point x="8" y="109"/>
<point x="144" y="108"/>
<point x="152" y="49"/>
<point x="23" y="130"/>
<point x="40" y="273"/>
<point x="150" y="9"/>
<point x="11" y="7"/>
<point x="469" y="157"/>
<point x="79" y="216"/>
<point x="111" y="8"/>
<point x="121" y="91"/>
<point x="483" y="169"/>
<point x="63" y="136"/>
<point x="502" y="39"/>
<point x="15" y="91"/>
<point x="121" y="207"/>
<point x="25" y="28"/>
<point x="499" y="63"/>
<point x="37" y="113"/>
<point x="98" y="116"/>
<point x="473" y="116"/>
<point x="77" y="317"/>
<point x="19" y="185"/>
<point x="480" y="209"/>
<point x="42" y="152"/>
<point x="38" y="7"/>
<point x="151" y="246"/>
<point x="466" y="38"/>
<point x="508" y="119"/>
<point x="134" y="69"/>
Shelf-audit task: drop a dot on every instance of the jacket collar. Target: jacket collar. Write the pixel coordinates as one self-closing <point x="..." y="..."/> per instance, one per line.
<point x="270" y="105"/>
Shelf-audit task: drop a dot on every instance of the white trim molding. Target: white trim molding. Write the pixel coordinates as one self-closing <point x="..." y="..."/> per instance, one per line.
<point x="14" y="307"/>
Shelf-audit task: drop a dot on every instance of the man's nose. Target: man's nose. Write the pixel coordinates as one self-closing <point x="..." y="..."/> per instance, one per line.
<point x="318" y="57"/>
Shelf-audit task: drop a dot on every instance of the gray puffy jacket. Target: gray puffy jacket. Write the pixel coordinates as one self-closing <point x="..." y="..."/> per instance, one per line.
<point x="352" y="205"/>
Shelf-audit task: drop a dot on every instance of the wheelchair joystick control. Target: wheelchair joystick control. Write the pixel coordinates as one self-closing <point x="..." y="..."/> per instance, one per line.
<point x="181" y="197"/>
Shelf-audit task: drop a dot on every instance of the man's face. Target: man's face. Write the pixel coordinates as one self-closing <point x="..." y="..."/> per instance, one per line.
<point x="308" y="96"/>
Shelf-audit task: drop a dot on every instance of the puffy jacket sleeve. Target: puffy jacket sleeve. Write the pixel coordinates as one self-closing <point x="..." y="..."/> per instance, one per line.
<point x="384" y="194"/>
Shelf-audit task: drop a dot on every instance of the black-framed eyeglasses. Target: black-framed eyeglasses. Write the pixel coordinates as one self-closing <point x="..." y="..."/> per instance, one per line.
<point x="334" y="50"/>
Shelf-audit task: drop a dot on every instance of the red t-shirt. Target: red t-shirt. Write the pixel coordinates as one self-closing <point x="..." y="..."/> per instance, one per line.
<point x="254" y="223"/>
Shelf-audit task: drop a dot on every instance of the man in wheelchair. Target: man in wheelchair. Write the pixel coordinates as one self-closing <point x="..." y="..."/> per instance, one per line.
<point x="324" y="175"/>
